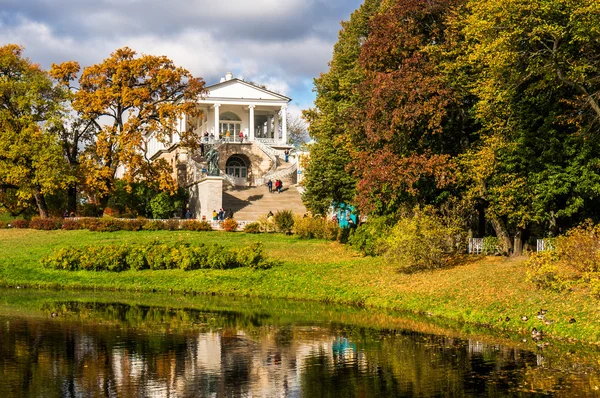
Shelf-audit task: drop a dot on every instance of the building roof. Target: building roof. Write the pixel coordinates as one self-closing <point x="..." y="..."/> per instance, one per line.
<point x="252" y="91"/>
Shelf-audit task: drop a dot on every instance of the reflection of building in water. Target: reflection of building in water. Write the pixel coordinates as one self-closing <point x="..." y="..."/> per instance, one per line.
<point x="266" y="362"/>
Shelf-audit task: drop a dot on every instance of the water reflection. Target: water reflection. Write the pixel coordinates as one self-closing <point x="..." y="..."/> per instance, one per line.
<point x="120" y="350"/>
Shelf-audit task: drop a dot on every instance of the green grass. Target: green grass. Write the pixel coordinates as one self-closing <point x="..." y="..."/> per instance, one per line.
<point x="479" y="293"/>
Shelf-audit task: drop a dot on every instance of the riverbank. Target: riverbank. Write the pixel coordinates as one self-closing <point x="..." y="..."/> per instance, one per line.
<point x="487" y="291"/>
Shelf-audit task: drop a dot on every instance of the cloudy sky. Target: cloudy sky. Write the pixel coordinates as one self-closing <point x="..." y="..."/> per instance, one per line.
<point x="281" y="43"/>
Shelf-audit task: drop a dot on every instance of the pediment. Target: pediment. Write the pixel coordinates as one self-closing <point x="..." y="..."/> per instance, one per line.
<point x="239" y="89"/>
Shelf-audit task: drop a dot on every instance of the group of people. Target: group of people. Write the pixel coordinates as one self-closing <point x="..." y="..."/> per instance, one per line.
<point x="222" y="214"/>
<point x="228" y="136"/>
<point x="278" y="185"/>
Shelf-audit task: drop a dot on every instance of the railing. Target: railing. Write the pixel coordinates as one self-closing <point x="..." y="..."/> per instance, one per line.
<point x="475" y="245"/>
<point x="267" y="141"/>
<point x="543" y="245"/>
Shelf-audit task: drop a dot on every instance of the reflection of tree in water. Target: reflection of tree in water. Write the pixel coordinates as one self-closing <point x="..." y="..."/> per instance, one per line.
<point x="122" y="350"/>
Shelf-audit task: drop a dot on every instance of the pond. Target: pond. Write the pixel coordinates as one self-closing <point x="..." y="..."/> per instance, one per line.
<point x="56" y="344"/>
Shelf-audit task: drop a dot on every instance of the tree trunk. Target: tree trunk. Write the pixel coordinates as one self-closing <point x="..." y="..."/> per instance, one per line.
<point x="40" y="201"/>
<point x="518" y="244"/>
<point x="72" y="198"/>
<point x="502" y="234"/>
<point x="481" y="221"/>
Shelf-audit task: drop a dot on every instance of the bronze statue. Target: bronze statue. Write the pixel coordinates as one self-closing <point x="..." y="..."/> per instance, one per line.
<point x="212" y="158"/>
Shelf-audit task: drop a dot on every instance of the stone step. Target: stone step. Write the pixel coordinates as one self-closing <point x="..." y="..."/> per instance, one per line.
<point x="248" y="204"/>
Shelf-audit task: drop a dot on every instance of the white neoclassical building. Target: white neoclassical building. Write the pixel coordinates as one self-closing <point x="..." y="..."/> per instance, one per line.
<point x="247" y="126"/>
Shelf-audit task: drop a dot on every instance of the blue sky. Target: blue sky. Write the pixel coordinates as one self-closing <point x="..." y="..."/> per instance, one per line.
<point x="281" y="43"/>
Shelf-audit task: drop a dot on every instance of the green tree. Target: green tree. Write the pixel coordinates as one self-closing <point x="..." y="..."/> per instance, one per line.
<point x="538" y="86"/>
<point x="31" y="161"/>
<point x="327" y="179"/>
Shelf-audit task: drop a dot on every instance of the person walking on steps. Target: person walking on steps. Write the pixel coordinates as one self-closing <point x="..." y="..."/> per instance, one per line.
<point x="270" y="186"/>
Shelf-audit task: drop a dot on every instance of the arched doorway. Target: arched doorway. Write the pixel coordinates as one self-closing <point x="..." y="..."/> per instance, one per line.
<point x="237" y="168"/>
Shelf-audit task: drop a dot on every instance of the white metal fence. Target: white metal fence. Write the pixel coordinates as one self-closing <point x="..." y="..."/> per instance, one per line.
<point x="475" y="245"/>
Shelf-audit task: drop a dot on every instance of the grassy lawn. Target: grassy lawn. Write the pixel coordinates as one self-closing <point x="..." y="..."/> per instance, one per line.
<point x="482" y="292"/>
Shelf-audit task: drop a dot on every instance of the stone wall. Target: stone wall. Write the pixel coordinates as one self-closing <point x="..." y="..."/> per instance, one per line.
<point x="260" y="163"/>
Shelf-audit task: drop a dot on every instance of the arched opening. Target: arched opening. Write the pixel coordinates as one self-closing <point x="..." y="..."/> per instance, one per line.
<point x="237" y="168"/>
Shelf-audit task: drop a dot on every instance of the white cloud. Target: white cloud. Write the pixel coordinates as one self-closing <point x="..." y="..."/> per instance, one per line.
<point x="277" y="43"/>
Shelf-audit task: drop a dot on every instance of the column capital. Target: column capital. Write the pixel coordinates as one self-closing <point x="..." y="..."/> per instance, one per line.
<point x="284" y="107"/>
<point x="216" y="105"/>
<point x="251" y="106"/>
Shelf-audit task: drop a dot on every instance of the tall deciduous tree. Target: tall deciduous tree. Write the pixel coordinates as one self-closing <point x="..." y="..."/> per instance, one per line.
<point x="538" y="90"/>
<point x="327" y="179"/>
<point x="408" y="120"/>
<point x="128" y="97"/>
<point x="31" y="161"/>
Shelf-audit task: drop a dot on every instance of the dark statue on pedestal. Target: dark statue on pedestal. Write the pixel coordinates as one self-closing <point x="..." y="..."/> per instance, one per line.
<point x="212" y="158"/>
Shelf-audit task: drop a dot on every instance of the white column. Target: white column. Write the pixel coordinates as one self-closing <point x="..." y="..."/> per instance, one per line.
<point x="217" y="118"/>
<point x="251" y="124"/>
<point x="284" y="124"/>
<point x="276" y="134"/>
<point x="176" y="138"/>
<point x="269" y="126"/>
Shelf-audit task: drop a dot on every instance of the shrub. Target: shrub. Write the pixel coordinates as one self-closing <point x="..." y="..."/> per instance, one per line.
<point x="70" y="224"/>
<point x="369" y="237"/>
<point x="491" y="245"/>
<point x="266" y="224"/>
<point x="218" y="258"/>
<point x="156" y="256"/>
<point x="284" y="221"/>
<point x="136" y="258"/>
<point x="316" y="228"/>
<point x="172" y="225"/>
<point x="45" y="224"/>
<point x="252" y="256"/>
<point x="162" y="205"/>
<point x="330" y="230"/>
<point x="544" y="270"/>
<point x="105" y="225"/>
<point x="3" y="225"/>
<point x="421" y="241"/>
<point x="154" y="225"/>
<point x="194" y="225"/>
<point x="162" y="256"/>
<point x="19" y="224"/>
<point x="63" y="259"/>
<point x="305" y="227"/>
<point x="230" y="225"/>
<point x="252" y="228"/>
<point x="573" y="260"/>
<point x="132" y="225"/>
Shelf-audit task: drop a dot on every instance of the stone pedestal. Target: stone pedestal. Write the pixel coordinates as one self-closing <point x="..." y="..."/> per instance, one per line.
<point x="205" y="197"/>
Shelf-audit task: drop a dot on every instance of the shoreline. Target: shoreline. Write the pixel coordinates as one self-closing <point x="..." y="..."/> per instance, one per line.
<point x="484" y="292"/>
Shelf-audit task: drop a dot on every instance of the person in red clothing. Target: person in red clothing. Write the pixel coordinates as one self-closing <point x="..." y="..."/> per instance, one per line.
<point x="241" y="137"/>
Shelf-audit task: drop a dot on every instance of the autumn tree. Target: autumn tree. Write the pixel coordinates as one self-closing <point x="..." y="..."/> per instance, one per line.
<point x="127" y="98"/>
<point x="327" y="179"/>
<point x="538" y="87"/>
<point x="409" y="121"/>
<point x="31" y="161"/>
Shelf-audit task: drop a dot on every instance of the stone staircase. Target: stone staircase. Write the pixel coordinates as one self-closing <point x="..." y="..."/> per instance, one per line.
<point x="249" y="203"/>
